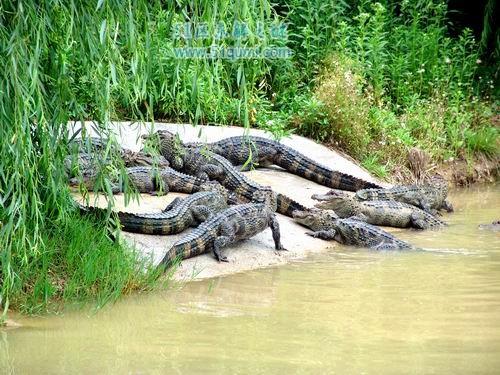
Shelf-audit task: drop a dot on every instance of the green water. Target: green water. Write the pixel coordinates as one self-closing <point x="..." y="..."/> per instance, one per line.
<point x="343" y="311"/>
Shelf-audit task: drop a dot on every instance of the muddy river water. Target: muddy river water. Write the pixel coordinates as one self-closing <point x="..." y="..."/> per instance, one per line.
<point x="342" y="311"/>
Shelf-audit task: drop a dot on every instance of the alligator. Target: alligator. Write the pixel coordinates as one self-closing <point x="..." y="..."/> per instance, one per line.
<point x="207" y="165"/>
<point x="91" y="154"/>
<point x="352" y="231"/>
<point x="494" y="226"/>
<point x="149" y="180"/>
<point x="140" y="158"/>
<point x="430" y="197"/>
<point x="255" y="151"/>
<point x="234" y="224"/>
<point x="388" y="213"/>
<point x="178" y="215"/>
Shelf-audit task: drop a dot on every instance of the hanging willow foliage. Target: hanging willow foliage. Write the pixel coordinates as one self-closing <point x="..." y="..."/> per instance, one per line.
<point x="60" y="61"/>
<point x="78" y="60"/>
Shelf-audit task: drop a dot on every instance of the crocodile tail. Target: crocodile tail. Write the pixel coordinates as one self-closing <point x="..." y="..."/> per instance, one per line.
<point x="170" y="258"/>
<point x="287" y="206"/>
<point x="131" y="222"/>
<point x="343" y="181"/>
<point x="303" y="166"/>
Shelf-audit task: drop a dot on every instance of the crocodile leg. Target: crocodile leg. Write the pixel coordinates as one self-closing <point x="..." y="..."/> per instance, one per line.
<point x="427" y="208"/>
<point x="447" y="206"/>
<point x="267" y="156"/>
<point x="201" y="213"/>
<point x="211" y="171"/>
<point x="275" y="228"/>
<point x="227" y="237"/>
<point x="417" y="221"/>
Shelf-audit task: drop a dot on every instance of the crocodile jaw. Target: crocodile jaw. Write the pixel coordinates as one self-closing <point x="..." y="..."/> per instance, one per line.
<point x="315" y="219"/>
<point x="342" y="204"/>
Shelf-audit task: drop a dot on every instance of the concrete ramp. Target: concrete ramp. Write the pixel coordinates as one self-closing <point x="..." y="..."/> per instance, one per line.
<point x="258" y="251"/>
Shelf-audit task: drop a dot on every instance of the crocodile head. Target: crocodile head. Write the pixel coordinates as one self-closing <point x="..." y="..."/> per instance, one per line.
<point x="171" y="147"/>
<point x="316" y="219"/>
<point x="343" y="204"/>
<point x="495" y="226"/>
<point x="439" y="183"/>
<point x="133" y="159"/>
<point x="367" y="194"/>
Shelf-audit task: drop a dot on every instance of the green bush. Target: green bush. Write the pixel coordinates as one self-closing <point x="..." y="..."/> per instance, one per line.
<point x="340" y="89"/>
<point x="397" y="81"/>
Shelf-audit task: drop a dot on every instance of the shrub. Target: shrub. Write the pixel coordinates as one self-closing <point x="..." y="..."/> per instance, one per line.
<point x="340" y="89"/>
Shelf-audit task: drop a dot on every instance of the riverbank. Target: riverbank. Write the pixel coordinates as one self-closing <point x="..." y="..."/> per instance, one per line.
<point x="389" y="77"/>
<point x="258" y="252"/>
<point x="458" y="172"/>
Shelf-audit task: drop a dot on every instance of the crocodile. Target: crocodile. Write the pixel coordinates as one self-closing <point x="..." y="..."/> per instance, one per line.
<point x="140" y="158"/>
<point x="90" y="155"/>
<point x="149" y="180"/>
<point x="430" y="196"/>
<point x="377" y="212"/>
<point x="233" y="224"/>
<point x="259" y="151"/>
<point x="352" y="231"/>
<point x="178" y="215"/>
<point x="98" y="146"/>
<point x="208" y="165"/>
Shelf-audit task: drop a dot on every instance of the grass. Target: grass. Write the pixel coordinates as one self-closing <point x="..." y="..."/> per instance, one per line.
<point x="376" y="79"/>
<point x="79" y="268"/>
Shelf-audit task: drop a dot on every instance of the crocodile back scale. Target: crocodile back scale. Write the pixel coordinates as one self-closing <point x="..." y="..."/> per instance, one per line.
<point x="203" y="163"/>
<point x="227" y="227"/>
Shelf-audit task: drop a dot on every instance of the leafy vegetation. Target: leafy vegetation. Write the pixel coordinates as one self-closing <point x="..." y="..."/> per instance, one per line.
<point x="375" y="78"/>
<point x="77" y="267"/>
<point x="60" y="61"/>
<point x="392" y="78"/>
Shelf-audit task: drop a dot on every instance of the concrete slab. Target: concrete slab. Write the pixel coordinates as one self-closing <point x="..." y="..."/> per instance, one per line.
<point x="258" y="251"/>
